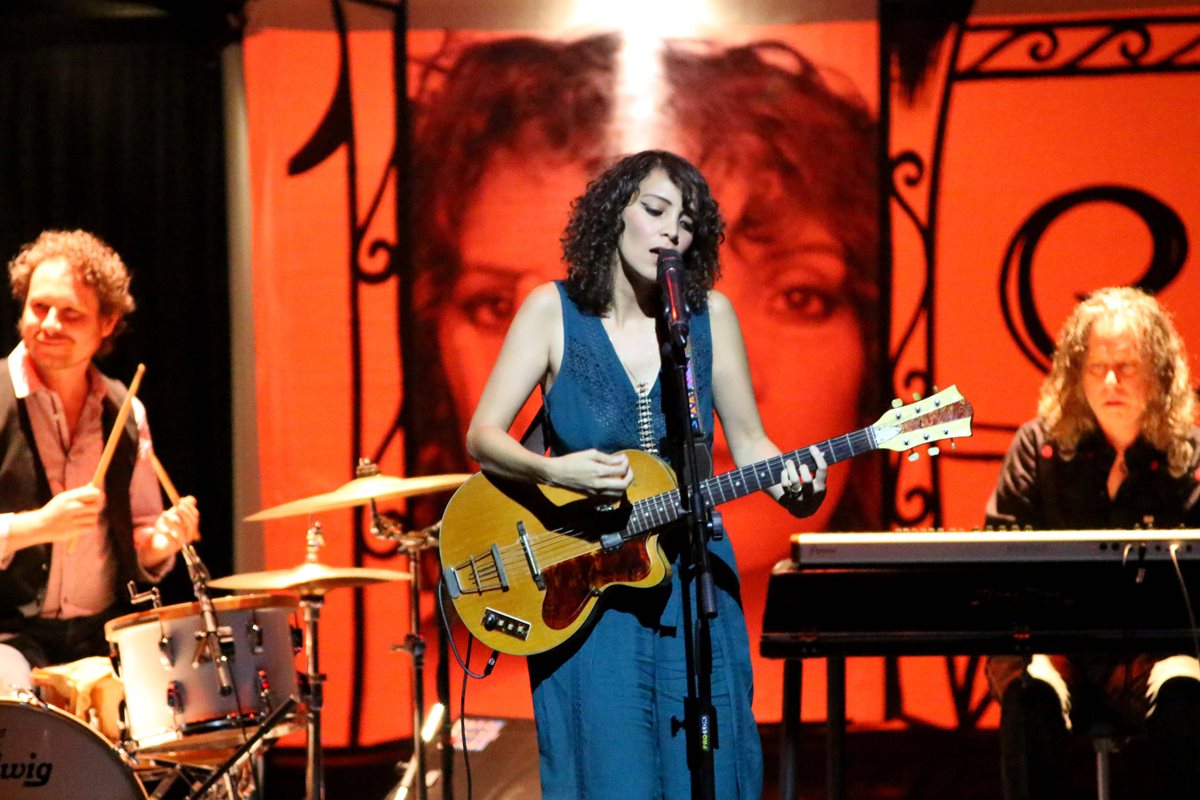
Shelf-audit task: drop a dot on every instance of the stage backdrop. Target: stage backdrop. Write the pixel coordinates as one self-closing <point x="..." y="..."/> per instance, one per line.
<point x="410" y="187"/>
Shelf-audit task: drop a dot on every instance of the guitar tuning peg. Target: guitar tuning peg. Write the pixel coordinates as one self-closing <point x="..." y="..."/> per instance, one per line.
<point x="916" y="395"/>
<point x="935" y="389"/>
<point x="933" y="451"/>
<point x="913" y="456"/>
<point x="897" y="403"/>
<point x="952" y="445"/>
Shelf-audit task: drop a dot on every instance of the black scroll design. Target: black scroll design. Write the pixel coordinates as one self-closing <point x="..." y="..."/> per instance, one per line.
<point x="1081" y="47"/>
<point x="1017" y="302"/>
<point x="909" y="174"/>
<point x="370" y="262"/>
<point x="1052" y="48"/>
<point x="1060" y="48"/>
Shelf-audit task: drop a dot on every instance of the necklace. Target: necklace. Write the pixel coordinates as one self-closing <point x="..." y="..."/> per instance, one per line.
<point x="645" y="418"/>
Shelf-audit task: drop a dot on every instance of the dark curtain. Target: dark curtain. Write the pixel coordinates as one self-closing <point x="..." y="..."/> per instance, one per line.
<point x="115" y="126"/>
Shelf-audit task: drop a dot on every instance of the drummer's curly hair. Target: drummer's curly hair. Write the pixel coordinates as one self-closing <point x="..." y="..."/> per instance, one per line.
<point x="1170" y="409"/>
<point x="590" y="239"/>
<point x="94" y="263"/>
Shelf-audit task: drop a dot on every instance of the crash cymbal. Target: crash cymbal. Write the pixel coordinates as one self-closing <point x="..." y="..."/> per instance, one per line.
<point x="361" y="491"/>
<point x="311" y="577"/>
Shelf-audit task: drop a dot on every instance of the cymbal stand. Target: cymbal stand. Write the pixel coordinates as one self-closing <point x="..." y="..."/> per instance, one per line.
<point x="412" y="543"/>
<point x="314" y="781"/>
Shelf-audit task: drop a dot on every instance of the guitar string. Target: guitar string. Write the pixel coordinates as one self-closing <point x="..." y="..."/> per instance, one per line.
<point x="649" y="513"/>
<point x="567" y="543"/>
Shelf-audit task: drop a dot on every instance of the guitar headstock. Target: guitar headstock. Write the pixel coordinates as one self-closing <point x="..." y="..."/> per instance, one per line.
<point x="944" y="415"/>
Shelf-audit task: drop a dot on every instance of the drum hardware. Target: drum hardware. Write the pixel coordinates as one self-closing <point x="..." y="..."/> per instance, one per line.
<point x="255" y="633"/>
<point x="312" y="580"/>
<point x="166" y="652"/>
<point x="222" y="772"/>
<point x="151" y="595"/>
<point x="415" y="771"/>
<point x="175" y="696"/>
<point x="264" y="692"/>
<point x="164" y="784"/>
<point x="200" y="723"/>
<point x="217" y="644"/>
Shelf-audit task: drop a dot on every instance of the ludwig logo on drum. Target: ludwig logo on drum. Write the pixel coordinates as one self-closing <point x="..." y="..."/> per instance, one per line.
<point x="33" y="772"/>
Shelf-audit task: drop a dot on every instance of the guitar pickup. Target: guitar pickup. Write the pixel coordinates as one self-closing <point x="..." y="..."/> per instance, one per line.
<point x="494" y="620"/>
<point x="534" y="569"/>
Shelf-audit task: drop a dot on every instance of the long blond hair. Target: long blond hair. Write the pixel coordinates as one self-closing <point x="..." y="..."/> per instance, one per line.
<point x="1170" y="409"/>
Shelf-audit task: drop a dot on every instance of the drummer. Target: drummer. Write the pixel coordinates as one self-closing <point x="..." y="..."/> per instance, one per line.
<point x="67" y="549"/>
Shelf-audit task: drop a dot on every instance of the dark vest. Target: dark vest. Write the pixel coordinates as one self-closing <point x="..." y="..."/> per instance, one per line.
<point x="24" y="487"/>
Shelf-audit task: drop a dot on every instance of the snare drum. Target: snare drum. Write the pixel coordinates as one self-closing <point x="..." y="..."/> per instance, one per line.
<point x="173" y="708"/>
<point x="45" y="752"/>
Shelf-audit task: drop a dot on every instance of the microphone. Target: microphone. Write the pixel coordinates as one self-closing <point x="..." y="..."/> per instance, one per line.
<point x="674" y="309"/>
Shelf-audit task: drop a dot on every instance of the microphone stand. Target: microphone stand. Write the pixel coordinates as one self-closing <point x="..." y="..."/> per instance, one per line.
<point x="700" y="717"/>
<point x="210" y="638"/>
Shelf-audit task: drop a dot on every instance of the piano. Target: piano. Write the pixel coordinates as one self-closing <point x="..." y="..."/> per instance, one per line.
<point x="970" y="593"/>
<point x="964" y="592"/>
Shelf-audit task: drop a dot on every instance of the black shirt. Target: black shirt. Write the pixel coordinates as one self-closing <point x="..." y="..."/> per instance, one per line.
<point x="1039" y="488"/>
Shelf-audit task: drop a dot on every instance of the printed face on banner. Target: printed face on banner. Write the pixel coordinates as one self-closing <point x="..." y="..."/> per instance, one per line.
<point x="799" y="253"/>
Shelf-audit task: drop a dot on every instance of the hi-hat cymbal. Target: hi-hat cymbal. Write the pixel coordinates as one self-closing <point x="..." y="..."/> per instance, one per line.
<point x="311" y="577"/>
<point x="361" y="491"/>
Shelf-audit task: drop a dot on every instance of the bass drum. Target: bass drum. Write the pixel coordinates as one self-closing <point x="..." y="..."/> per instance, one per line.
<point x="47" y="753"/>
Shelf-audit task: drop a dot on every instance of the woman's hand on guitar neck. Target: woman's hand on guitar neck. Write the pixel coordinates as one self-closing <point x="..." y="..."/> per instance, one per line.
<point x="592" y="472"/>
<point x="802" y="489"/>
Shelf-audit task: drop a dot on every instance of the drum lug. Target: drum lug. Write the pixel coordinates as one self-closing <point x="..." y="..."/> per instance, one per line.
<point x="228" y="645"/>
<point x="175" y="696"/>
<point x="114" y="657"/>
<point x="255" y="632"/>
<point x="166" y="652"/>
<point x="125" y="742"/>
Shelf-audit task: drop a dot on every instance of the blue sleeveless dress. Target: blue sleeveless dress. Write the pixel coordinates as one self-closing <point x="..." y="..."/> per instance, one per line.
<point x="609" y="703"/>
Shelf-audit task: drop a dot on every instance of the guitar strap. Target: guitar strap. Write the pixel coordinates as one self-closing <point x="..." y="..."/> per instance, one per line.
<point x="693" y="399"/>
<point x="534" y="437"/>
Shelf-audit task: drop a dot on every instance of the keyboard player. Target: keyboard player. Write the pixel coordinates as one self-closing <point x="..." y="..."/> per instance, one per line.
<point x="1114" y="446"/>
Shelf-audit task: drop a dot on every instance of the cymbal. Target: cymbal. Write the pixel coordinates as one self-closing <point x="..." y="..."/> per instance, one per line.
<point x="361" y="491"/>
<point x="311" y="577"/>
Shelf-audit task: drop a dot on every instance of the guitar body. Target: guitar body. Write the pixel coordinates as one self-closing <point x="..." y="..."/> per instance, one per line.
<point x="500" y="536"/>
<point x="524" y="564"/>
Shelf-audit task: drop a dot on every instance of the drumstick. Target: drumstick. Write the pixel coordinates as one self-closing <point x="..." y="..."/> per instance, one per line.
<point x="164" y="479"/>
<point x="114" y="436"/>
<point x="172" y="493"/>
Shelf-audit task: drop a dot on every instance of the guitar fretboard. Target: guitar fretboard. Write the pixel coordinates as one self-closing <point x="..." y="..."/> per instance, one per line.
<point x="661" y="509"/>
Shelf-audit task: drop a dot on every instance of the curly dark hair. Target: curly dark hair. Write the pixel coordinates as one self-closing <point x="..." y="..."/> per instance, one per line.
<point x="595" y="227"/>
<point x="94" y="263"/>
